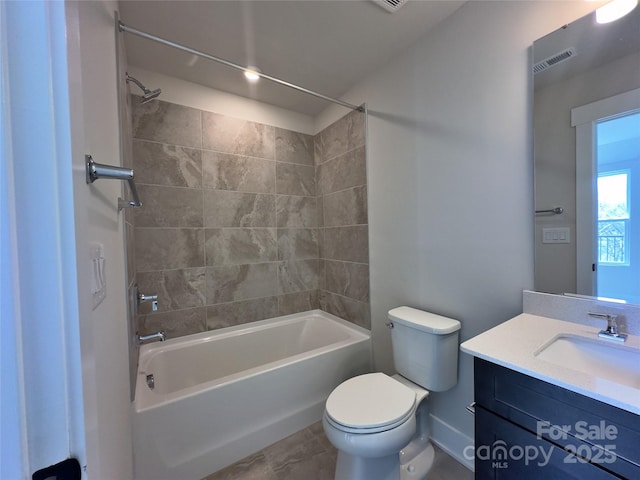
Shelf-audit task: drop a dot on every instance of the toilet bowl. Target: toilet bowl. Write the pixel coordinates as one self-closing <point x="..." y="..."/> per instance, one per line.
<point x="379" y="423"/>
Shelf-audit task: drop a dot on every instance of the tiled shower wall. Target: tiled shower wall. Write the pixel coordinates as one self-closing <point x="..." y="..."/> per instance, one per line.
<point x="231" y="228"/>
<point x="341" y="179"/>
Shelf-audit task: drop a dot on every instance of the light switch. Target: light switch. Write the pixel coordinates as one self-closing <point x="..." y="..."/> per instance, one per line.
<point x="556" y="235"/>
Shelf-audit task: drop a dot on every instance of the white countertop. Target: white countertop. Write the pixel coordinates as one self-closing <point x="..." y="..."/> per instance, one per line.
<point x="513" y="345"/>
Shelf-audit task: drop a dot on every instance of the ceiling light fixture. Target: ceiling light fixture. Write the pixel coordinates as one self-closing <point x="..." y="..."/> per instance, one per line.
<point x="614" y="10"/>
<point x="252" y="74"/>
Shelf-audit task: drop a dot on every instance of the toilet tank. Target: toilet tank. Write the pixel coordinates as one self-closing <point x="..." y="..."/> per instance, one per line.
<point x="425" y="347"/>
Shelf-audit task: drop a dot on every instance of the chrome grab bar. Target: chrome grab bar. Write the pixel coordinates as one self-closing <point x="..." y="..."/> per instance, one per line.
<point x="96" y="171"/>
<point x="555" y="211"/>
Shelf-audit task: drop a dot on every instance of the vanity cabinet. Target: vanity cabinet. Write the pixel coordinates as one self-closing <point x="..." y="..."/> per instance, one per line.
<point x="526" y="428"/>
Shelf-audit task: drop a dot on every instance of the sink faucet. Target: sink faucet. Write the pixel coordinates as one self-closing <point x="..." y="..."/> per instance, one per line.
<point x="153" y="337"/>
<point x="611" y="332"/>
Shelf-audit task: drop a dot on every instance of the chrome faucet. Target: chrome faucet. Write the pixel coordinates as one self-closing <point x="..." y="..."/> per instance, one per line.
<point x="142" y="298"/>
<point x="611" y="332"/>
<point x="153" y="337"/>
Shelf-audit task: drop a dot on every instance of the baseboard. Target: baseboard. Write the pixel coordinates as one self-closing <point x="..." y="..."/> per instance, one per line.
<point x="452" y="441"/>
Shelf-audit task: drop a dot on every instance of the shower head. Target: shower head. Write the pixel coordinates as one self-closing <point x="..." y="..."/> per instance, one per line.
<point x="148" y="94"/>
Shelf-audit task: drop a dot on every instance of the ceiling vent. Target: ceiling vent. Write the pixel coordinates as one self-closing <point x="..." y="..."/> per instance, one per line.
<point x="390" y="5"/>
<point x="554" y="60"/>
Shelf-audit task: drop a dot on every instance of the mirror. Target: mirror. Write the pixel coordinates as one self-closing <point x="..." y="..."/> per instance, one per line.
<point x="579" y="64"/>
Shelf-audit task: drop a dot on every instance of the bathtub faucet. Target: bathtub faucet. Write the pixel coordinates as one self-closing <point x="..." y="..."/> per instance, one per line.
<point x="153" y="337"/>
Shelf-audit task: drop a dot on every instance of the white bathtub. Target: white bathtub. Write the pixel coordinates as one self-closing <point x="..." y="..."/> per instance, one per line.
<point x="220" y="396"/>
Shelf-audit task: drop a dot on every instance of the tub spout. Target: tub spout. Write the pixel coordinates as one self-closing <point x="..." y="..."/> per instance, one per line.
<point x="153" y="337"/>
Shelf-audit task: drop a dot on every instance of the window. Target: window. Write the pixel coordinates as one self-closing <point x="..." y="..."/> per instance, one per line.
<point x="613" y="218"/>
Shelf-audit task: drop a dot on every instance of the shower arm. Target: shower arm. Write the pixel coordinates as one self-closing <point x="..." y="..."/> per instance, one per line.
<point x="96" y="171"/>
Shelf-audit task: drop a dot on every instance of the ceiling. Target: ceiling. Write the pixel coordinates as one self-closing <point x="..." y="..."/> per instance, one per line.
<point x="323" y="45"/>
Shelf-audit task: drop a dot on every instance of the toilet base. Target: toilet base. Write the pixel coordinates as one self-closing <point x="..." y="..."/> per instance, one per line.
<point x="412" y="463"/>
<point x="416" y="459"/>
<point x="351" y="467"/>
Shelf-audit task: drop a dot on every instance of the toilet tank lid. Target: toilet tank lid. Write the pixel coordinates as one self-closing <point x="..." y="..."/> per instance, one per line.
<point x="421" y="320"/>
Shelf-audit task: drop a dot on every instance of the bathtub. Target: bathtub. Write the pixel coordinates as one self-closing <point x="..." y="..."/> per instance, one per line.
<point x="220" y="396"/>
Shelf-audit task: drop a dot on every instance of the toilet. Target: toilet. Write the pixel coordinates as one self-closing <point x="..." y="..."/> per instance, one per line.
<point x="379" y="423"/>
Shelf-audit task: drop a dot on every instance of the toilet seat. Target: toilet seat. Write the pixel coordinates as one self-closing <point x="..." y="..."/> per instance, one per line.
<point x="370" y="403"/>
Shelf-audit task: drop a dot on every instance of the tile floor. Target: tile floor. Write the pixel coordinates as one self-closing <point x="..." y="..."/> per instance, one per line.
<point x="308" y="455"/>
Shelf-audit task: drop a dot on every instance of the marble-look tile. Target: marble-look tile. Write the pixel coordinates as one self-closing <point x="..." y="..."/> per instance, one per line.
<point x="175" y="323"/>
<point x="297" y="243"/>
<point x="344" y="171"/>
<point x="350" y="244"/>
<point x="446" y="467"/>
<point x="347" y="207"/>
<point x="165" y="122"/>
<point x="169" y="248"/>
<point x="297" y="275"/>
<point x="294" y="147"/>
<point x="233" y="246"/>
<point x="298" y="302"/>
<point x="231" y="135"/>
<point x="162" y="164"/>
<point x="225" y="171"/>
<point x="292" y="179"/>
<point x="235" y="209"/>
<point x="300" y="456"/>
<point x="241" y="282"/>
<point x="347" y="279"/>
<point x="317" y="150"/>
<point x="343" y="135"/>
<point x="346" y="308"/>
<point x="169" y="207"/>
<point x="296" y="212"/>
<point x="237" y="313"/>
<point x="176" y="289"/>
<point x="254" y="467"/>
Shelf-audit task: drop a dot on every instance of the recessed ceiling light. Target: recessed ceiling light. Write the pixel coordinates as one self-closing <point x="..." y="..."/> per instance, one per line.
<point x="252" y="74"/>
<point x="614" y="10"/>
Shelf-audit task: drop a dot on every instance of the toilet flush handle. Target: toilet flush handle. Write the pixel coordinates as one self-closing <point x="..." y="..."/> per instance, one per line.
<point x="389" y="324"/>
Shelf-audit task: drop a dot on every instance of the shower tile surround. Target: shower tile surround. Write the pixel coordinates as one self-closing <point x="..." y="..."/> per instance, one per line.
<point x="244" y="221"/>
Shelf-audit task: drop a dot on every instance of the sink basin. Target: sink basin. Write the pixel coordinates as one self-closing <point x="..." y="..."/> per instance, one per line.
<point x="595" y="357"/>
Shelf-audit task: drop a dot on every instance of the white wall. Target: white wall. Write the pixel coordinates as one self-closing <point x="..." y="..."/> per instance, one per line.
<point x="451" y="179"/>
<point x="105" y="368"/>
<point x="190" y="94"/>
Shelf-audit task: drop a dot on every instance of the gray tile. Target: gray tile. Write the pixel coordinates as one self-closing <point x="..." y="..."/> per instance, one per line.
<point x="225" y="171"/>
<point x="241" y="282"/>
<point x="176" y="289"/>
<point x="235" y="209"/>
<point x="292" y="179"/>
<point x="294" y="147"/>
<point x="162" y="164"/>
<point x="343" y="135"/>
<point x="300" y="456"/>
<point x="346" y="308"/>
<point x="231" y="135"/>
<point x="232" y="246"/>
<point x="298" y="302"/>
<point x="297" y="275"/>
<point x="254" y="467"/>
<point x="317" y="150"/>
<point x="446" y="467"/>
<point x="169" y="248"/>
<point x="297" y="243"/>
<point x="237" y="313"/>
<point x="169" y="207"/>
<point x="175" y="324"/>
<point x="347" y="207"/>
<point x="342" y="172"/>
<point x="350" y="244"/>
<point x="296" y="212"/>
<point x="347" y="279"/>
<point x="165" y="122"/>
